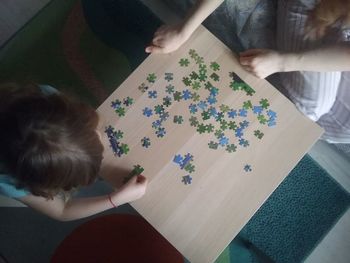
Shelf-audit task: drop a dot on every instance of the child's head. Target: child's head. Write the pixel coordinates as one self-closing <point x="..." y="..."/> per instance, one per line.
<point x="327" y="14"/>
<point x="49" y="143"/>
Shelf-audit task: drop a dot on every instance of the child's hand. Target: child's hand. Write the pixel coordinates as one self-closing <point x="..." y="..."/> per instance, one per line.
<point x="167" y="38"/>
<point x="134" y="189"/>
<point x="262" y="62"/>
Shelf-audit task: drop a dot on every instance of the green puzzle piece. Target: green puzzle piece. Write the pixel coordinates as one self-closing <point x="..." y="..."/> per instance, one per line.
<point x="124" y="148"/>
<point x="178" y="119"/>
<point x="177" y="96"/>
<point x="120" y="111"/>
<point x="158" y="109"/>
<point x="195" y="96"/>
<point x="224" y="108"/>
<point x="208" y="85"/>
<point x="209" y="128"/>
<point x="218" y="133"/>
<point x="264" y="103"/>
<point x="201" y="128"/>
<point x="262" y="119"/>
<point x="194" y="75"/>
<point x="196" y="85"/>
<point x="223" y="125"/>
<point x="232" y="125"/>
<point x="231" y="148"/>
<point x="186" y="81"/>
<point x="205" y="115"/>
<point x="118" y="134"/>
<point x="247" y="105"/>
<point x="215" y="77"/>
<point x="151" y="77"/>
<point x="258" y="134"/>
<point x="190" y="168"/>
<point x="193" y="121"/>
<point x="184" y="62"/>
<point x="213" y="145"/>
<point x="214" y="66"/>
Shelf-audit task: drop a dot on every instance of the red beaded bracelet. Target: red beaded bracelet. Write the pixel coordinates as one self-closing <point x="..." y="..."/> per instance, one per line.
<point x="110" y="200"/>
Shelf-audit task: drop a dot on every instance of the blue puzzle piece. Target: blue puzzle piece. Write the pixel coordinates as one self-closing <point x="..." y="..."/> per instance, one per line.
<point x="168" y="76"/>
<point x="156" y="124"/>
<point x="219" y="116"/>
<point x="257" y="110"/>
<point x="147" y="112"/>
<point x="211" y="100"/>
<point x="186" y="94"/>
<point x="223" y="141"/>
<point x="193" y="108"/>
<point x="244" y="124"/>
<point x="188" y="157"/>
<point x="164" y="116"/>
<point x="271" y="123"/>
<point x="213" y="112"/>
<point x="232" y="113"/>
<point x="202" y="105"/>
<point x="160" y="132"/>
<point x="152" y="94"/>
<point x="247" y="168"/>
<point x="116" y="104"/>
<point x="239" y="132"/>
<point x="243" y="142"/>
<point x="109" y="131"/>
<point x="242" y="112"/>
<point x="115" y="145"/>
<point x="214" y="91"/>
<point x="272" y="114"/>
<point x="178" y="159"/>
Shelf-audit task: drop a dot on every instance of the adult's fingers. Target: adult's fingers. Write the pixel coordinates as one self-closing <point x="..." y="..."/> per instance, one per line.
<point x="250" y="52"/>
<point x="245" y="61"/>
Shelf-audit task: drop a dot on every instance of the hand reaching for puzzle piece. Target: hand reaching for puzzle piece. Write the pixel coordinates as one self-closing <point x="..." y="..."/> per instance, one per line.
<point x="167" y="38"/>
<point x="262" y="62"/>
<point x="132" y="190"/>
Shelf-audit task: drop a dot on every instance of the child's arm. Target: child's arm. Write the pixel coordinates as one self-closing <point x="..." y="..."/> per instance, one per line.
<point x="169" y="38"/>
<point x="77" y="208"/>
<point x="264" y="62"/>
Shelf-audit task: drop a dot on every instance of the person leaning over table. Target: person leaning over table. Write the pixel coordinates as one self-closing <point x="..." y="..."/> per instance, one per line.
<point x="49" y="147"/>
<point x="312" y="57"/>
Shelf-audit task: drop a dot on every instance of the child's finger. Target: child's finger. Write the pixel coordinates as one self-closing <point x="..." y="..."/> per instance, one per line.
<point x="153" y="49"/>
<point x="156" y="50"/>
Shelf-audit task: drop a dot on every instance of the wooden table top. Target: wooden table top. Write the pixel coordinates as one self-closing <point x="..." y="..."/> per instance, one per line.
<point x="213" y="140"/>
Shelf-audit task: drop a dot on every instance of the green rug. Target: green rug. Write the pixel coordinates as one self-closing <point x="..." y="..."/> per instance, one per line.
<point x="88" y="48"/>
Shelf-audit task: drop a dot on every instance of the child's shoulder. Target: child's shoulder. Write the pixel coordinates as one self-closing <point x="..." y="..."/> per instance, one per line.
<point x="8" y="185"/>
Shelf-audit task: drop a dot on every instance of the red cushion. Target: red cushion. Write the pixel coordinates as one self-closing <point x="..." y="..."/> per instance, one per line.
<point x="116" y="238"/>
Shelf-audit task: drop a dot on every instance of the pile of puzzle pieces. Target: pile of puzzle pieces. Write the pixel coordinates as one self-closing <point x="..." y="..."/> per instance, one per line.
<point x="114" y="137"/>
<point x="185" y="163"/>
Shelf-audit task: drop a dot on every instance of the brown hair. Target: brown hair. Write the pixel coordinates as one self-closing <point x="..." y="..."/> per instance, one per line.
<point x="327" y="13"/>
<point x="49" y="143"/>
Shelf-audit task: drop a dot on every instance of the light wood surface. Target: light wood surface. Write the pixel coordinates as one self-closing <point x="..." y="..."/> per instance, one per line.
<point x="200" y="219"/>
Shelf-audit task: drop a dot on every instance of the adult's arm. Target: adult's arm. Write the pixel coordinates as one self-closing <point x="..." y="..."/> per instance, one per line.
<point x="169" y="38"/>
<point x="264" y="62"/>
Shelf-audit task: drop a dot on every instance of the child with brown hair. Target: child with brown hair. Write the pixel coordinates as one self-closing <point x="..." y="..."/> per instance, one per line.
<point x="50" y="145"/>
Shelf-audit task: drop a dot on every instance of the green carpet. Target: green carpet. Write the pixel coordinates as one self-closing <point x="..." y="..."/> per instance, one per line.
<point x="87" y="50"/>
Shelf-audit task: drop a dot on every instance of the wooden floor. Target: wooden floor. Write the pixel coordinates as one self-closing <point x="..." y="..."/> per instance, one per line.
<point x="334" y="248"/>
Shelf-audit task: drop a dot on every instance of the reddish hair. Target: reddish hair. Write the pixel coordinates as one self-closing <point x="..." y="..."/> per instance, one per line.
<point x="49" y="143"/>
<point x="328" y="13"/>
